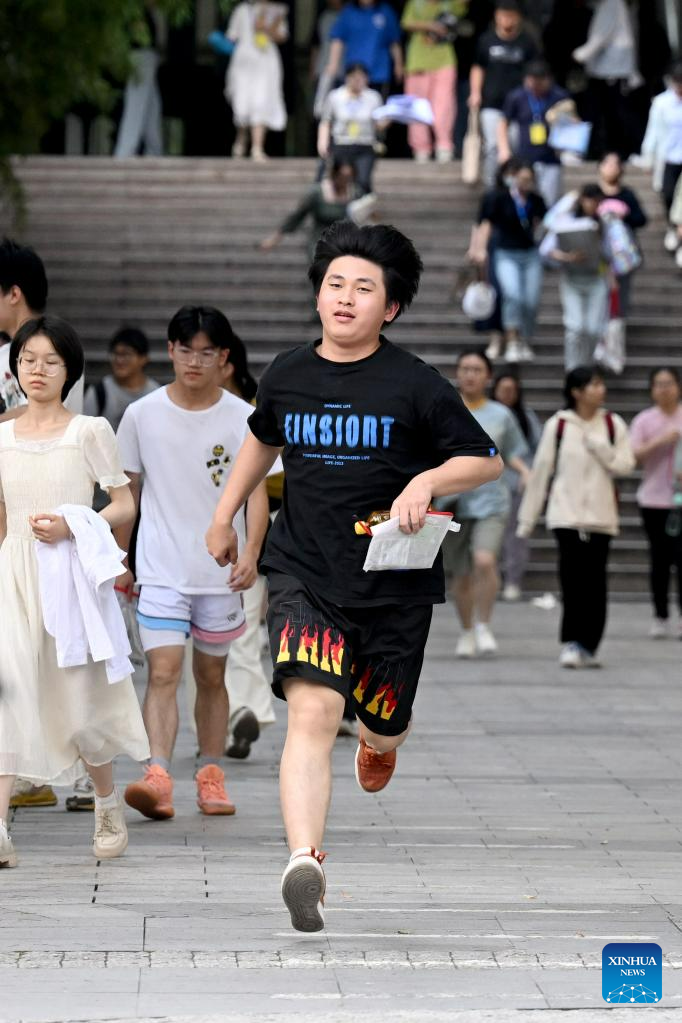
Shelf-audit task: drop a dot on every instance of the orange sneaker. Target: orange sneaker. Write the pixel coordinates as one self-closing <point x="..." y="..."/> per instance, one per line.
<point x="153" y="794"/>
<point x="212" y="798"/>
<point x="373" y="770"/>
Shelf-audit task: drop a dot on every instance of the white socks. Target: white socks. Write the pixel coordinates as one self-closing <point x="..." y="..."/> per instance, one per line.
<point x="108" y="802"/>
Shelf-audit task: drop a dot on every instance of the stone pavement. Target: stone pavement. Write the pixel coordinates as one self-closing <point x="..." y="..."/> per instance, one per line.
<point x="534" y="817"/>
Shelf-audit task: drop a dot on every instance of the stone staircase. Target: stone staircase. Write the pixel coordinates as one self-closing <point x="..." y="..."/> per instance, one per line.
<point x="130" y="241"/>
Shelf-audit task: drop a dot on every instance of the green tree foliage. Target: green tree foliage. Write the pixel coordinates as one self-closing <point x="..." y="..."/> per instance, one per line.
<point x="55" y="53"/>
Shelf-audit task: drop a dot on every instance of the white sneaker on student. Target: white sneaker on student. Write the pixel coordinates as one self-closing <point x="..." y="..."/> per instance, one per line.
<point x="485" y="641"/>
<point x="8" y="856"/>
<point x="303" y="887"/>
<point x="659" y="629"/>
<point x="527" y="353"/>
<point x="466" y="644"/>
<point x="671" y="240"/>
<point x="514" y="352"/>
<point x="570" y="656"/>
<point x="511" y="593"/>
<point x="111" y="833"/>
<point x="588" y="660"/>
<point x="494" y="349"/>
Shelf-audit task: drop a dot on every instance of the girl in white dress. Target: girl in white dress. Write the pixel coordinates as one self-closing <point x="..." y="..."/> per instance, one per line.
<point x="56" y="723"/>
<point x="254" y="77"/>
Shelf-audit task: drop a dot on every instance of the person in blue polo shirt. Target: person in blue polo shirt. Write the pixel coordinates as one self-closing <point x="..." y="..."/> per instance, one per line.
<point x="367" y="32"/>
<point x="527" y="108"/>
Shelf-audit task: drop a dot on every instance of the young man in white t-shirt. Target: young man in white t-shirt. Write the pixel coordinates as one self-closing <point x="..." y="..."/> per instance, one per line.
<point x="180" y="443"/>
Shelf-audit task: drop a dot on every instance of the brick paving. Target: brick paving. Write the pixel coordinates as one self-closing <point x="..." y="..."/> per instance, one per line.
<point x="534" y="817"/>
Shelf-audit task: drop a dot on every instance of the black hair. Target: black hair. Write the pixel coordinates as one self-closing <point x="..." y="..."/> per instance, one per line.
<point x="674" y="373"/>
<point x="377" y="243"/>
<point x="480" y="353"/>
<point x="246" y="385"/>
<point x="675" y="71"/>
<point x="589" y="191"/>
<point x="538" y="69"/>
<point x="131" y="337"/>
<point x="5" y="338"/>
<point x="23" y="268"/>
<point x="508" y="5"/>
<point x="577" y="380"/>
<point x="191" y="320"/>
<point x="337" y="163"/>
<point x="65" y="342"/>
<point x="518" y="408"/>
<point x="511" y="166"/>
<point x="357" y="65"/>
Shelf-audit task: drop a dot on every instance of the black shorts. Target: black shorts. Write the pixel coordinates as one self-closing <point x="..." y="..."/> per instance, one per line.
<point x="372" y="655"/>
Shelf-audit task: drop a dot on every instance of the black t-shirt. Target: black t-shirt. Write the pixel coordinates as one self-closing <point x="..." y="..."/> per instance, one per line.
<point x="513" y="228"/>
<point x="354" y="434"/>
<point x="503" y="62"/>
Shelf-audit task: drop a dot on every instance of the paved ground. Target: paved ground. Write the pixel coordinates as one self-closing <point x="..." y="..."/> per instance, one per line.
<point x="534" y="817"/>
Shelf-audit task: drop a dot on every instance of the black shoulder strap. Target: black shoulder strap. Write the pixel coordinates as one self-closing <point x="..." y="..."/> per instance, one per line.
<point x="101" y="396"/>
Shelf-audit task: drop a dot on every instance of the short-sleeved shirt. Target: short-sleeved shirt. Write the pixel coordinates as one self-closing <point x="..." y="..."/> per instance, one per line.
<point x="424" y="53"/>
<point x="116" y="399"/>
<point x="367" y="34"/>
<point x="503" y="62"/>
<point x="186" y="457"/>
<point x="529" y="112"/>
<point x="656" y="488"/>
<point x="503" y="429"/>
<point x="353" y="435"/>
<point x="512" y="228"/>
<point x="351" y="116"/>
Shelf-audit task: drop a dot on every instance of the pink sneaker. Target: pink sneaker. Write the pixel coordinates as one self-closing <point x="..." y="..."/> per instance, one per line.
<point x="212" y="798"/>
<point x="153" y="794"/>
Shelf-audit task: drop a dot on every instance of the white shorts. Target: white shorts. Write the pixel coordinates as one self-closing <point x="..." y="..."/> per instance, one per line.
<point x="167" y="618"/>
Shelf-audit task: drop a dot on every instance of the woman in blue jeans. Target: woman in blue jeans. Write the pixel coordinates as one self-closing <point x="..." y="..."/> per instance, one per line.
<point x="511" y="216"/>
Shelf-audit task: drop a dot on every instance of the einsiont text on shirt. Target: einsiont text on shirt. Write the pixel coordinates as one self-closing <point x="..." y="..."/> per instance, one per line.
<point x="336" y="428"/>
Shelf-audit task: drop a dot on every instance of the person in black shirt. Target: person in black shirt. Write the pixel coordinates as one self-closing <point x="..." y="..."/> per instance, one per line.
<point x="611" y="184"/>
<point x="361" y="425"/>
<point x="502" y="54"/>
<point x="510" y="216"/>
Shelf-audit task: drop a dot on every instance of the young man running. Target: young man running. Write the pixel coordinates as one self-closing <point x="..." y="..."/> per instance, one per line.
<point x="363" y="425"/>
<point x="181" y="441"/>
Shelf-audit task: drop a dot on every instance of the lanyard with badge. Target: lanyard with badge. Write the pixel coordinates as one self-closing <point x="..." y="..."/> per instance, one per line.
<point x="522" y="209"/>
<point x="261" y="39"/>
<point x="538" y="129"/>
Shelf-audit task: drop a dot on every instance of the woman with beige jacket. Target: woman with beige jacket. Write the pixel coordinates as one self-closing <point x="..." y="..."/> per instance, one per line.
<point x="582" y="449"/>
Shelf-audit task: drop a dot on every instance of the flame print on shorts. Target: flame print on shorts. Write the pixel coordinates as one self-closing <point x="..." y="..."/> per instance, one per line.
<point x="329" y="658"/>
<point x="384" y="701"/>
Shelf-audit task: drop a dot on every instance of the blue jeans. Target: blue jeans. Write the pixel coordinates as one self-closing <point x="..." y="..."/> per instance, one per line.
<point x="519" y="273"/>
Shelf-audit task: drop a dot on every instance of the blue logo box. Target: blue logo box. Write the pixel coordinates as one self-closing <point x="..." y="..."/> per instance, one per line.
<point x="632" y="973"/>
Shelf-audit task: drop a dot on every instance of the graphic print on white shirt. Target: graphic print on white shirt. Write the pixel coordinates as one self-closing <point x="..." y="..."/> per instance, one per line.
<point x="186" y="458"/>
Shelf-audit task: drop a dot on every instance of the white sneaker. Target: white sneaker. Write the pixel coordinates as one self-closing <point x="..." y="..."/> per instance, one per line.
<point x="466" y="644"/>
<point x="671" y="241"/>
<point x="527" y="353"/>
<point x="570" y="656"/>
<point x="494" y="349"/>
<point x="111" y="833"/>
<point x="303" y="887"/>
<point x="659" y="629"/>
<point x="511" y="592"/>
<point x="8" y="856"/>
<point x="485" y="641"/>
<point x="514" y="352"/>
<point x="588" y="660"/>
<point x="422" y="157"/>
<point x="443" y="156"/>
